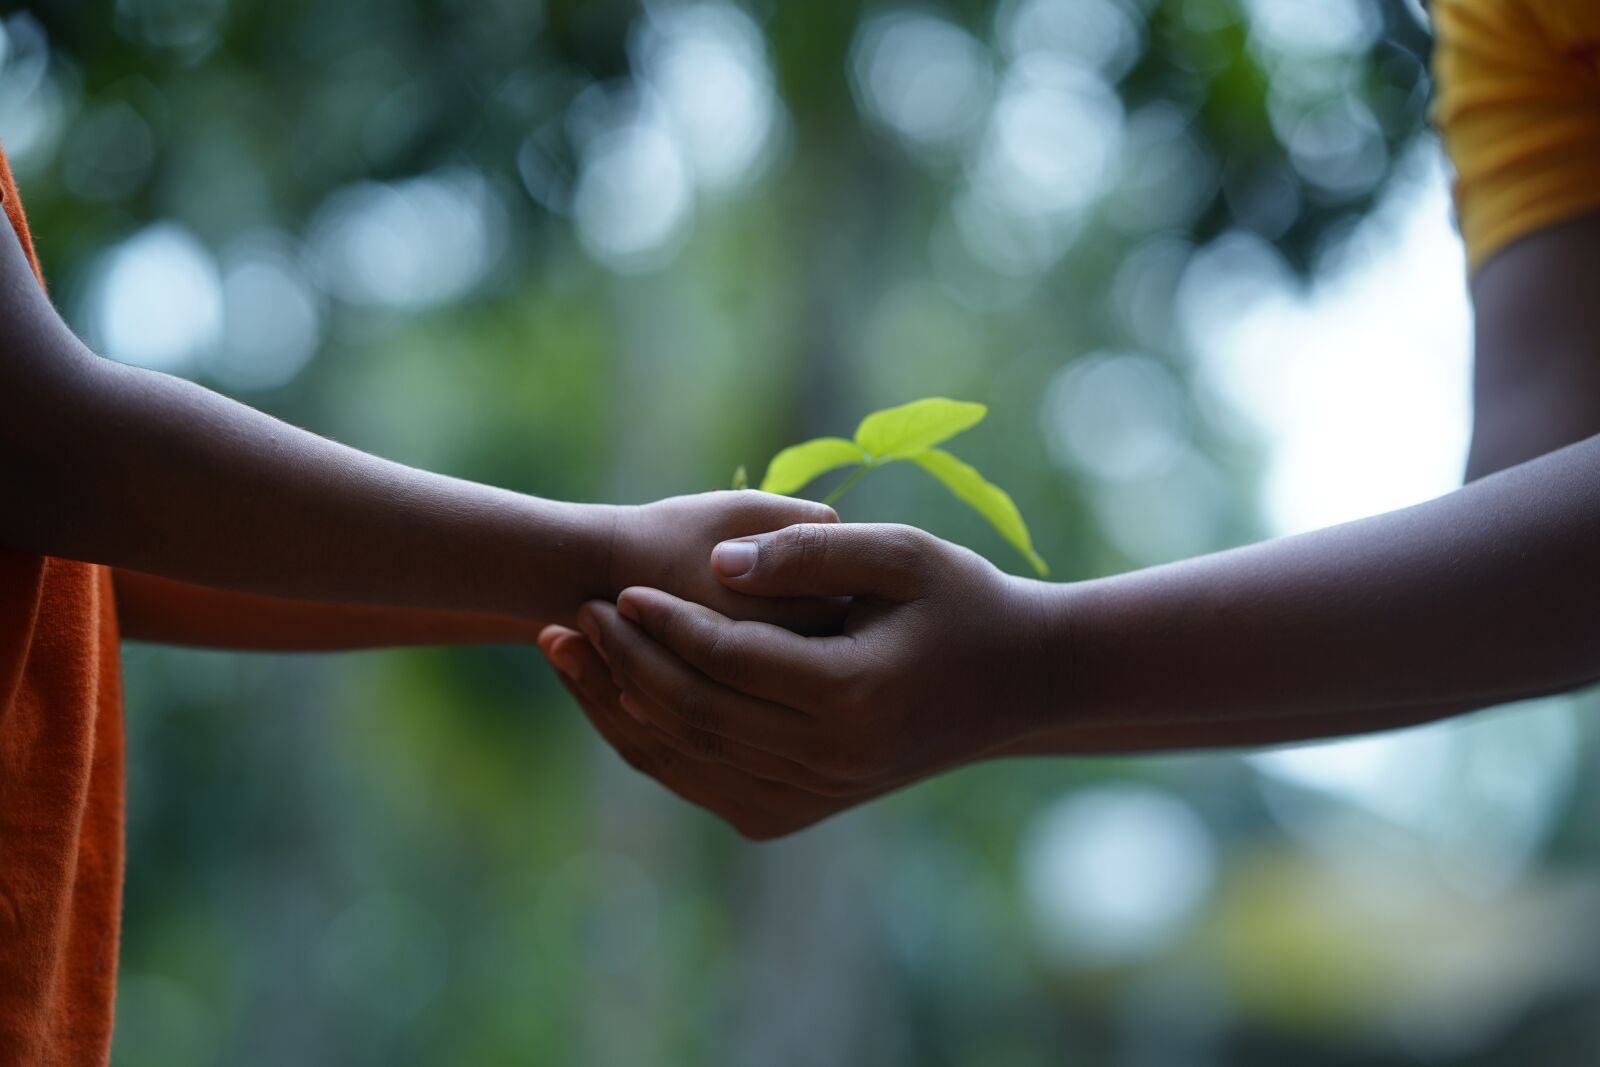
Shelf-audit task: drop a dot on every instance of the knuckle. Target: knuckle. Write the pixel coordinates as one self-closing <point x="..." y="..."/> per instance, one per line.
<point x="668" y="739"/>
<point x="855" y="694"/>
<point x="816" y="511"/>
<point x="680" y="629"/>
<point x="694" y="709"/>
<point x="725" y="656"/>
<point x="833" y="678"/>
<point x="806" y="547"/>
<point x="707" y="746"/>
<point x="906" y="549"/>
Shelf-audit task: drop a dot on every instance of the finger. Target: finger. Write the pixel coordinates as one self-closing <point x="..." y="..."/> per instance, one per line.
<point x="554" y="635"/>
<point x="590" y="679"/>
<point x="669" y="769"/>
<point x="586" y="678"/>
<point x="757" y="809"/>
<point x="549" y="635"/>
<point x="578" y="666"/>
<point x="763" y="661"/>
<point x="820" y="617"/>
<point x="640" y="665"/>
<point x="821" y="559"/>
<point x="761" y="512"/>
<point x="703" y="746"/>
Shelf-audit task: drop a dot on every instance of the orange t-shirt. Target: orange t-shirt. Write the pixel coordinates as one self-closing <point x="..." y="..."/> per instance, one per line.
<point x="61" y="763"/>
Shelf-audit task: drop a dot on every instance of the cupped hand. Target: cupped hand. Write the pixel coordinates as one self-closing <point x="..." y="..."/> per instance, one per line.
<point x="664" y="545"/>
<point x="758" y="808"/>
<point x="942" y="660"/>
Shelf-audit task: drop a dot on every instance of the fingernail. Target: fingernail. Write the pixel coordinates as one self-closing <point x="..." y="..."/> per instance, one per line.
<point x="630" y="706"/>
<point x="627" y="609"/>
<point x="591" y="629"/>
<point x="732" y="559"/>
<point x="566" y="660"/>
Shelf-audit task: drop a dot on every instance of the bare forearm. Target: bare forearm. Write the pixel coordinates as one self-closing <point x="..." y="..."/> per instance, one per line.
<point x="181" y="613"/>
<point x="1486" y="595"/>
<point x="161" y="476"/>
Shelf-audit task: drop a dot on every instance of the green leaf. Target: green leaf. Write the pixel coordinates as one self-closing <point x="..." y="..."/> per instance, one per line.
<point x="741" y="478"/>
<point x="984" y="497"/>
<point x="902" y="432"/>
<point x="797" y="465"/>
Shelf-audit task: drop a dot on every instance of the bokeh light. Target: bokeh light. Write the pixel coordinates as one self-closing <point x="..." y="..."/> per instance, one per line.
<point x="1115" y="416"/>
<point x="272" y="315"/>
<point x="1480" y="797"/>
<point x="922" y="77"/>
<point x="1100" y="35"/>
<point x="157" y="300"/>
<point x="109" y="154"/>
<point x="413" y="243"/>
<point x="1110" y="875"/>
<point x="33" y="99"/>
<point x="708" y="62"/>
<point x="634" y="193"/>
<point x="1363" y="384"/>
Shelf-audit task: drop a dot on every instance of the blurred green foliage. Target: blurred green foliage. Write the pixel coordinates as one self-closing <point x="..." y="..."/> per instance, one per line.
<point x="422" y="857"/>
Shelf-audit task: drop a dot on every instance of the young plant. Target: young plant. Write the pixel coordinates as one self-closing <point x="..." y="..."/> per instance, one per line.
<point x="908" y="432"/>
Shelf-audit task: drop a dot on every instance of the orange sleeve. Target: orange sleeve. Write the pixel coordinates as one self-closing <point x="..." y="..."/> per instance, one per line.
<point x="182" y="613"/>
<point x="19" y="222"/>
<point x="1518" y="106"/>
<point x="61" y="777"/>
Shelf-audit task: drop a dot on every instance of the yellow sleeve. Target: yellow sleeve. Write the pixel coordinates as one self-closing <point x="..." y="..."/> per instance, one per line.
<point x="1518" y="105"/>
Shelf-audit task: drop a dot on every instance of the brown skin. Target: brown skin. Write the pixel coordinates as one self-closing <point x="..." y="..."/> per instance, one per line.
<point x="228" y="528"/>
<point x="1485" y="595"/>
<point x="1537" y="381"/>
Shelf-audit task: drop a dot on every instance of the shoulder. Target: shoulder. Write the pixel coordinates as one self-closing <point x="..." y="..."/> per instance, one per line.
<point x="1556" y="42"/>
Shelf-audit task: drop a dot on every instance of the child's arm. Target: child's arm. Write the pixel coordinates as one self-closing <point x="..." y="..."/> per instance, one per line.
<point x="117" y="465"/>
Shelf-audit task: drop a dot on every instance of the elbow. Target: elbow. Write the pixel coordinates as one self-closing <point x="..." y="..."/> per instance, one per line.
<point x="50" y="433"/>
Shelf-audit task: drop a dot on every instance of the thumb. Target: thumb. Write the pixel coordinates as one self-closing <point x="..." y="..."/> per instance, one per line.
<point x="824" y="560"/>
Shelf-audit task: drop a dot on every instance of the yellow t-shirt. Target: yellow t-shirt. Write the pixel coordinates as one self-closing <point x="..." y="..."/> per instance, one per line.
<point x="1518" y="105"/>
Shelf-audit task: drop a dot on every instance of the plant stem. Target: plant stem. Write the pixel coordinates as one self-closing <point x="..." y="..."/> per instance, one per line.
<point x="846" y="484"/>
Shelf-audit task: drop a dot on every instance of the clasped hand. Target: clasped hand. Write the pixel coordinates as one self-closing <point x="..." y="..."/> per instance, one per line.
<point x="936" y="664"/>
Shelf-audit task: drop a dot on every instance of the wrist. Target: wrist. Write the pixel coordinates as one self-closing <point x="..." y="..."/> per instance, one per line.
<point x="1044" y="667"/>
<point x="621" y="529"/>
<point x="571" y="550"/>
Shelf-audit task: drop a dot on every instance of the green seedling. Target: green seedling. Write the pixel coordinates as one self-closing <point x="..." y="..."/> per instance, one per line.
<point x="908" y="432"/>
